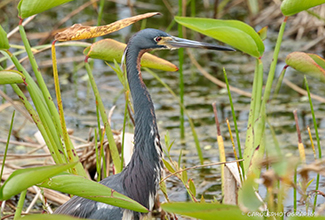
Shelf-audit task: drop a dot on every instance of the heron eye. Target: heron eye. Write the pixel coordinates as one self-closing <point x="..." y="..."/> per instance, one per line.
<point x="157" y="39"/>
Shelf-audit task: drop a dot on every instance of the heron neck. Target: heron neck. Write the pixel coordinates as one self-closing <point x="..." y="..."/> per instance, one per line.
<point x="143" y="173"/>
<point x="146" y="131"/>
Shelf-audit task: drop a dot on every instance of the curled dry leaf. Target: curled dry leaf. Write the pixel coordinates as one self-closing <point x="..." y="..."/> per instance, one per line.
<point x="318" y="167"/>
<point x="80" y="32"/>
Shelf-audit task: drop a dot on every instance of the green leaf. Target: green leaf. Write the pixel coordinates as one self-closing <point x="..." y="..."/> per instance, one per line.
<point x="168" y="166"/>
<point x="309" y="64"/>
<point x="291" y="7"/>
<point x="184" y="176"/>
<point x="49" y="217"/>
<point x="11" y="77"/>
<point x="109" y="49"/>
<point x="83" y="187"/>
<point x="4" y="43"/>
<point x="235" y="33"/>
<point x="28" y="8"/>
<point x="247" y="198"/>
<point x="29" y="177"/>
<point x="192" y="187"/>
<point x="263" y="33"/>
<point x="207" y="211"/>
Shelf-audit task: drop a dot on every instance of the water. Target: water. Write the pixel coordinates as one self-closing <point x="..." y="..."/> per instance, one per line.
<point x="80" y="113"/>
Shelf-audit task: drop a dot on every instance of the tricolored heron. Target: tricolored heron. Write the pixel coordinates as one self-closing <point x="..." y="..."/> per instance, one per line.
<point x="140" y="179"/>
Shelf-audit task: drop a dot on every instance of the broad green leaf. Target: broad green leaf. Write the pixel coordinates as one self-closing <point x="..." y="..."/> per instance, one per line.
<point x="291" y="7"/>
<point x="235" y="33"/>
<point x="208" y="211"/>
<point x="11" y="77"/>
<point x="28" y="8"/>
<point x="83" y="187"/>
<point x="109" y="49"/>
<point x="49" y="217"/>
<point x="4" y="43"/>
<point x="29" y="177"/>
<point x="309" y="64"/>
<point x="247" y="199"/>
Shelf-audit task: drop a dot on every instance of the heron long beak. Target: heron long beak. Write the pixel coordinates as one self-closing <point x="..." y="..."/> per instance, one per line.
<point x="176" y="42"/>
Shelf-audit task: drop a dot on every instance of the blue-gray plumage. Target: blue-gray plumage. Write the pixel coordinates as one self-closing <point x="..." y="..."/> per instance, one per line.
<point x="140" y="179"/>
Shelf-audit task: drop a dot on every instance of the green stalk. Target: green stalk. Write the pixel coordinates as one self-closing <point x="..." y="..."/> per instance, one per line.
<point x="7" y="144"/>
<point x="273" y="65"/>
<point x="317" y="138"/>
<point x="295" y="192"/>
<point x="100" y="14"/>
<point x="20" y="204"/>
<point x="52" y="119"/>
<point x="38" y="75"/>
<point x="259" y="87"/>
<point x="71" y="152"/>
<point x="249" y="143"/>
<point x="103" y="156"/>
<point x="279" y="83"/>
<point x="99" y="159"/>
<point x="193" y="7"/>
<point x="44" y="115"/>
<point x="38" y="123"/>
<point x="97" y="156"/>
<point x="235" y="122"/>
<point x="196" y="140"/>
<point x="181" y="77"/>
<point x="99" y="102"/>
<point x="259" y="126"/>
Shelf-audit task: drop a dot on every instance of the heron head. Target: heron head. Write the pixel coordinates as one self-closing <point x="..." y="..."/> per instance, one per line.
<point x="156" y="39"/>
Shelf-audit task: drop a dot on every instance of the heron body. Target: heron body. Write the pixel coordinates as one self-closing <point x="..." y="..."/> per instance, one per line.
<point x="140" y="179"/>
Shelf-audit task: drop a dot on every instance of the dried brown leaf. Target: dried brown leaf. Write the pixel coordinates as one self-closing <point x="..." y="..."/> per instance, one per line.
<point x="80" y="32"/>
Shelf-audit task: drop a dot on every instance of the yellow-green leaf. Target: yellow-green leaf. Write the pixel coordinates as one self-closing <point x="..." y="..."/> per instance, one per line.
<point x="29" y="177"/>
<point x="11" y="77"/>
<point x="207" y="211"/>
<point x="168" y="166"/>
<point x="4" y="43"/>
<point x="28" y="8"/>
<point x="109" y="49"/>
<point x="192" y="187"/>
<point x="80" y="186"/>
<point x="310" y="64"/>
<point x="291" y="7"/>
<point x="235" y="33"/>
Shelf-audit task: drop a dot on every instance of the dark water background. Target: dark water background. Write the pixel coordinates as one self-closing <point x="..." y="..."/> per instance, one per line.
<point x="79" y="104"/>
